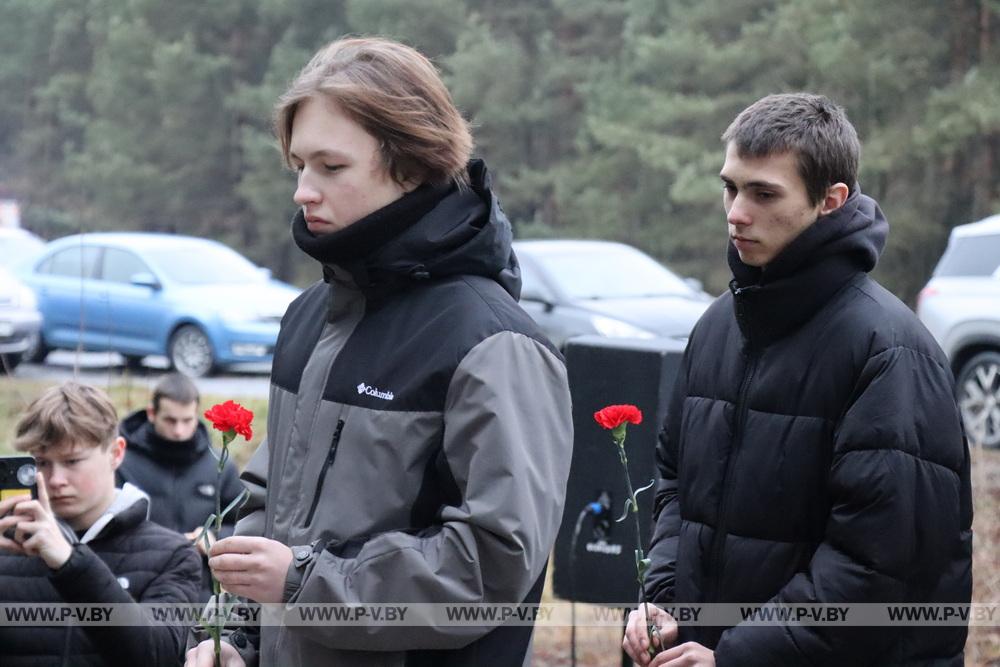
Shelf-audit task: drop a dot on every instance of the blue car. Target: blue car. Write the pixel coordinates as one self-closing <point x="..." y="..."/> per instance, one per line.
<point x="198" y="302"/>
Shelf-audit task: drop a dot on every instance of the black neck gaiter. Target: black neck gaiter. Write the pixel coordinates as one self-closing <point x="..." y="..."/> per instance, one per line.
<point x="174" y="451"/>
<point x="358" y="240"/>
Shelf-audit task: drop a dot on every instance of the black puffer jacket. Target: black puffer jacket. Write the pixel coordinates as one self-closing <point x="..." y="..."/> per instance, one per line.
<point x="813" y="453"/>
<point x="127" y="560"/>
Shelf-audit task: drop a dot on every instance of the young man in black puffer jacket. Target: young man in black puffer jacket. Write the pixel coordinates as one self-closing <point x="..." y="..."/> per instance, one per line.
<point x="812" y="452"/>
<point x="169" y="456"/>
<point x="101" y="550"/>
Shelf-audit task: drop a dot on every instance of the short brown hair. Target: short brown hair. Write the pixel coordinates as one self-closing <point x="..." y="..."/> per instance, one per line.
<point x="174" y="387"/>
<point x="812" y="127"/>
<point x="70" y="413"/>
<point x="397" y="96"/>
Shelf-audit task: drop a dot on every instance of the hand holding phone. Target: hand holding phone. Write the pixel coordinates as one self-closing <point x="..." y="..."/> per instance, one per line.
<point x="17" y="477"/>
<point x="17" y="480"/>
<point x="35" y="529"/>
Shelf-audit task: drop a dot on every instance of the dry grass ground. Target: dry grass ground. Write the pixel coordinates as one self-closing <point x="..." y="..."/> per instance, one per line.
<point x="16" y="394"/>
<point x="600" y="646"/>
<point x="983" y="647"/>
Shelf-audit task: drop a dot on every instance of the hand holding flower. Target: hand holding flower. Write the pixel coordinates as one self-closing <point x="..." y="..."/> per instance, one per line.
<point x="253" y="567"/>
<point x="232" y="419"/>
<point x="616" y="418"/>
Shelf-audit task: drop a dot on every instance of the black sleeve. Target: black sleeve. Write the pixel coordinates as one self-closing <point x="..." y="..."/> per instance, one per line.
<point x="85" y="578"/>
<point x="666" y="508"/>
<point x="898" y="520"/>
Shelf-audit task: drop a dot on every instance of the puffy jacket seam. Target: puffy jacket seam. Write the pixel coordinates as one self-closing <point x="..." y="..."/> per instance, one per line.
<point x="867" y="565"/>
<point x="839" y="456"/>
<point x="746" y="537"/>
<point x="791" y="639"/>
<point x="730" y="533"/>
<point x="856" y="285"/>
<point x="893" y="348"/>
<point x="764" y="412"/>
<point x="710" y="398"/>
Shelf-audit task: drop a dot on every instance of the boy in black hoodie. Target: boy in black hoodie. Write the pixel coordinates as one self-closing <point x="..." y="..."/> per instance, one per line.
<point x="83" y="541"/>
<point x="169" y="457"/>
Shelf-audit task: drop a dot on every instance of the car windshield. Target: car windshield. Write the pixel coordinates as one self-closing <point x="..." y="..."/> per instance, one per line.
<point x="611" y="272"/>
<point x="970" y="256"/>
<point x="204" y="264"/>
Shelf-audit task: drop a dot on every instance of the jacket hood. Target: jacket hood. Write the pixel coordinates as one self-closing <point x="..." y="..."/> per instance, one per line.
<point x="465" y="233"/>
<point x="129" y="508"/>
<point x="140" y="435"/>
<point x="815" y="265"/>
<point x="856" y="231"/>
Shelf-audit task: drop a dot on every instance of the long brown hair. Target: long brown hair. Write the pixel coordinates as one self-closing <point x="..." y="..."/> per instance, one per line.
<point x="397" y="96"/>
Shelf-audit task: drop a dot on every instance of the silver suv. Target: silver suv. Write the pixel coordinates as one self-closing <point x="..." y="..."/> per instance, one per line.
<point x="19" y="321"/>
<point x="961" y="308"/>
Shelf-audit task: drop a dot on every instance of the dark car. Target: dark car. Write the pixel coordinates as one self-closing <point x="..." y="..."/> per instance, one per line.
<point x="576" y="288"/>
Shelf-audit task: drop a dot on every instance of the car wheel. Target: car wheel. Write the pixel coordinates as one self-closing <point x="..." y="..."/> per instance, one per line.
<point x="979" y="398"/>
<point x="37" y="350"/>
<point x="8" y="362"/>
<point x="190" y="352"/>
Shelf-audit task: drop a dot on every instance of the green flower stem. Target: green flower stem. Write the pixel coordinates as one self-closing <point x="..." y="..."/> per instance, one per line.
<point x="227" y="438"/>
<point x="618" y="433"/>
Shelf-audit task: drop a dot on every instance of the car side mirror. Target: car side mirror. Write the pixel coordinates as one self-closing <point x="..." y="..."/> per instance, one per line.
<point x="538" y="297"/>
<point x="146" y="280"/>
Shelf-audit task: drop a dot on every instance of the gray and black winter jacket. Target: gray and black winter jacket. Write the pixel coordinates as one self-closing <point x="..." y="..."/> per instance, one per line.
<point x="813" y="454"/>
<point x="123" y="558"/>
<point x="419" y="437"/>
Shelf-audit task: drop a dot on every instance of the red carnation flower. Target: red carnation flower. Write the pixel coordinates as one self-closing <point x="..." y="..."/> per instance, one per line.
<point x="231" y="416"/>
<point x="614" y="416"/>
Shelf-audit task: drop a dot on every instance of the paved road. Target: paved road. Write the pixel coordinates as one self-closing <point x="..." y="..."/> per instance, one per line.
<point x="102" y="368"/>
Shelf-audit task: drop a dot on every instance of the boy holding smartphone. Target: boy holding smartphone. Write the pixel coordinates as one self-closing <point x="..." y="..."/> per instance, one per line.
<point x="83" y="541"/>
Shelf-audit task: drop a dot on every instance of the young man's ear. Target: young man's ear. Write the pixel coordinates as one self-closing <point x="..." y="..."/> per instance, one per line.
<point x="117" y="448"/>
<point x="836" y="195"/>
<point x="150" y="412"/>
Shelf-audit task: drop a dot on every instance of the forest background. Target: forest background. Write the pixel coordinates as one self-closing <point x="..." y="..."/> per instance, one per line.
<point x="599" y="118"/>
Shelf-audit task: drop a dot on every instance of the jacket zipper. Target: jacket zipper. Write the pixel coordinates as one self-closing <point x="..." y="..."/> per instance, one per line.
<point x="326" y="466"/>
<point x="719" y="538"/>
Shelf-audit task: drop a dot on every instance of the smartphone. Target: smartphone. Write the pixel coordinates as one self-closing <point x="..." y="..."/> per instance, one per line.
<point x="17" y="477"/>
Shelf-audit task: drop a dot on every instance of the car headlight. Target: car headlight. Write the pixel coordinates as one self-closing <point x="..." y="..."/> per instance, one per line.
<point x="612" y="328"/>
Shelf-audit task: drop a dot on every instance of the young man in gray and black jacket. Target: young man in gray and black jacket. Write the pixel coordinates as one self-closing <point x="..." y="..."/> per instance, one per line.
<point x="419" y="432"/>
